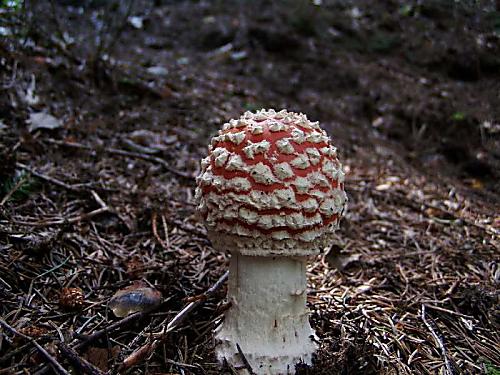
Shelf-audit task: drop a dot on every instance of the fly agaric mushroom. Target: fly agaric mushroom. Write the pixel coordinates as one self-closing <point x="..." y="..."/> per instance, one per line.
<point x="271" y="192"/>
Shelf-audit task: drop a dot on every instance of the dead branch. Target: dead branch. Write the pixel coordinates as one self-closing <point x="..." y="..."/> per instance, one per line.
<point x="154" y="228"/>
<point x="75" y="188"/>
<point x="13" y="190"/>
<point x="63" y="221"/>
<point x="49" y="179"/>
<point x="14" y="352"/>
<point x="81" y="363"/>
<point x="87" y="340"/>
<point x="96" y="335"/>
<point x="53" y="362"/>
<point x="188" y="228"/>
<point x="146" y="350"/>
<point x="438" y="340"/>
<point x="417" y="205"/>
<point x="130" y="154"/>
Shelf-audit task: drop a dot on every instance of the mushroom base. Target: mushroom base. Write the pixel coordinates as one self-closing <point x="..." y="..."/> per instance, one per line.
<point x="268" y="317"/>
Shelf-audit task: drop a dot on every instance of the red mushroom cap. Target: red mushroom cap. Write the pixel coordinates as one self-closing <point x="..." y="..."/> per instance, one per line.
<point x="271" y="185"/>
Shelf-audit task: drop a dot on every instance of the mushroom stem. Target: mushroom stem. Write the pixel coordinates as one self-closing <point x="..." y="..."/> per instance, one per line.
<point x="268" y="318"/>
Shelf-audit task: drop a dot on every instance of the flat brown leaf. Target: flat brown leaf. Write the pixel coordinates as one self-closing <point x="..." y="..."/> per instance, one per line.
<point x="100" y="357"/>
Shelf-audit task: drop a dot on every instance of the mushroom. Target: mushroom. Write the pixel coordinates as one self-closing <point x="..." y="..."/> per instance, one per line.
<point x="271" y="193"/>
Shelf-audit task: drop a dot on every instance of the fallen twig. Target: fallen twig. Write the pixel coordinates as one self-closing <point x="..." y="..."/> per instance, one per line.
<point x="75" y="188"/>
<point x="147" y="349"/>
<point x="417" y="205"/>
<point x="13" y="190"/>
<point x="44" y="177"/>
<point x="439" y="342"/>
<point x="96" y="335"/>
<point x="163" y="244"/>
<point x="14" y="352"/>
<point x="104" y="208"/>
<point x="86" y="340"/>
<point x="53" y="362"/>
<point x="192" y="305"/>
<point x="136" y="155"/>
<point x="81" y="363"/>
<point x="182" y="365"/>
<point x="188" y="228"/>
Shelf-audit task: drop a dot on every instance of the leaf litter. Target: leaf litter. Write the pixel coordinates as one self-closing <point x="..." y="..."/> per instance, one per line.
<point x="410" y="285"/>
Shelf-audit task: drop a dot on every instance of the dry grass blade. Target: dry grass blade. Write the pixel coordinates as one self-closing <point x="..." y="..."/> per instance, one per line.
<point x="80" y="363"/>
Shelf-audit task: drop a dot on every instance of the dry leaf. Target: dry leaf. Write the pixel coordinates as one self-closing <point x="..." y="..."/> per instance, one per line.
<point x="42" y="120"/>
<point x="100" y="357"/>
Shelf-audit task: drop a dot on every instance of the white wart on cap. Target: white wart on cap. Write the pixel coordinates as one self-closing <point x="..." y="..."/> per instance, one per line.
<point x="271" y="185"/>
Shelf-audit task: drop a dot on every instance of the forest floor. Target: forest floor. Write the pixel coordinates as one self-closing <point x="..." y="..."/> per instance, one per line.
<point x="107" y="109"/>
